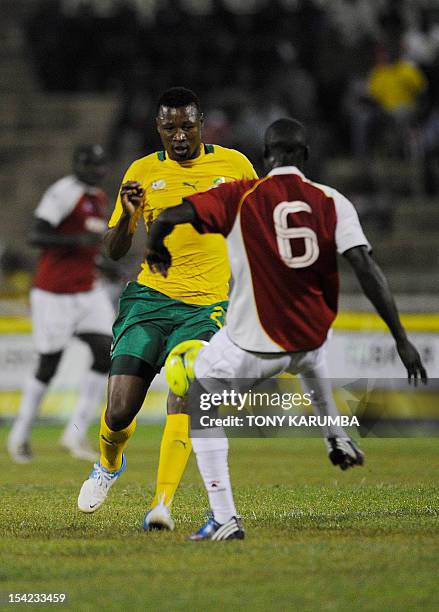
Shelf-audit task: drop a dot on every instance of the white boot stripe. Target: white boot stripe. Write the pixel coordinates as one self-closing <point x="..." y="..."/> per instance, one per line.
<point x="225" y="530"/>
<point x="218" y="532"/>
<point x="226" y="533"/>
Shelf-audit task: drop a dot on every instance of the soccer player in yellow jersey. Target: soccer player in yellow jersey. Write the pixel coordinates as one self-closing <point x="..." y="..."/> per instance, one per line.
<point x="156" y="313"/>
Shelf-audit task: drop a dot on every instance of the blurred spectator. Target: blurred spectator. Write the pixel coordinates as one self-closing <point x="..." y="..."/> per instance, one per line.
<point x="311" y="54"/>
<point x="386" y="105"/>
<point x="394" y="83"/>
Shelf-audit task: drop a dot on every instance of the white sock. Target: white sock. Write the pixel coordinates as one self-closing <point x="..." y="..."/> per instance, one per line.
<point x="32" y="396"/>
<point x="86" y="408"/>
<point x="211" y="452"/>
<point x="323" y="404"/>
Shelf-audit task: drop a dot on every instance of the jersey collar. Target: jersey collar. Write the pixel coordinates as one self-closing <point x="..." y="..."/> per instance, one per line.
<point x="205" y="149"/>
<point x="286" y="170"/>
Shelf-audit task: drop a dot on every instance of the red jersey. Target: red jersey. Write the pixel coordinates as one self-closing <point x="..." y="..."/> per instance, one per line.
<point x="72" y="207"/>
<point x="283" y="233"/>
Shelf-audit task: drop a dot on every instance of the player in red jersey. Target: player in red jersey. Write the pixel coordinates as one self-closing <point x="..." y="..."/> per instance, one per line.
<point x="283" y="234"/>
<point x="65" y="300"/>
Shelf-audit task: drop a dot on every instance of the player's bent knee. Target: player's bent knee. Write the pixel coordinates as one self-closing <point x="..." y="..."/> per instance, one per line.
<point x="120" y="411"/>
<point x="47" y="366"/>
<point x="126" y="394"/>
<point x="116" y="420"/>
<point x="100" y="346"/>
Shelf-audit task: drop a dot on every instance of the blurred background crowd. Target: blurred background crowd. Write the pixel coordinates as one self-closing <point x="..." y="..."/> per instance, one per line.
<point x="363" y="75"/>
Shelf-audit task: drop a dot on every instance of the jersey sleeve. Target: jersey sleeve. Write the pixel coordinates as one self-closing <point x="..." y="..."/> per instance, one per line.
<point x="217" y="208"/>
<point x="348" y="231"/>
<point x="130" y="175"/>
<point x="59" y="201"/>
<point x="246" y="168"/>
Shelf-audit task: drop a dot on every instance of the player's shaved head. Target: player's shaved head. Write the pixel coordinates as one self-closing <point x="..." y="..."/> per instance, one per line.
<point x="285" y="143"/>
<point x="90" y="163"/>
<point x="89" y="153"/>
<point x="285" y="133"/>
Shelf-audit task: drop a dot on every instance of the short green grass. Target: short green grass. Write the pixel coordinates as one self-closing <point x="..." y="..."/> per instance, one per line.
<point x="317" y="538"/>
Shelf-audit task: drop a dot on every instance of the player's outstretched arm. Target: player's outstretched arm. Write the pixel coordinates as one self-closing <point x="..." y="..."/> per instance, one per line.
<point x="118" y="239"/>
<point x="375" y="287"/>
<point x="157" y="255"/>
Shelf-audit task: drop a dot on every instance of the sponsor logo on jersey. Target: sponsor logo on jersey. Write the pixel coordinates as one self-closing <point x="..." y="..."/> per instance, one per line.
<point x="191" y="185"/>
<point x="159" y="184"/>
<point x="219" y="180"/>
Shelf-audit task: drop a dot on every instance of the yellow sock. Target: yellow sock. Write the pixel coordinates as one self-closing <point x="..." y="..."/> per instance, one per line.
<point x="174" y="452"/>
<point x="112" y="444"/>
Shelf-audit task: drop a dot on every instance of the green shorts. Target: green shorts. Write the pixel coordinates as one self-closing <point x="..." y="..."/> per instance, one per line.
<point x="150" y="324"/>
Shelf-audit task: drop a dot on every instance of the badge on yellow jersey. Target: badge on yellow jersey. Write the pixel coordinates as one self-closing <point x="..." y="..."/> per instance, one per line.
<point x="160" y="184"/>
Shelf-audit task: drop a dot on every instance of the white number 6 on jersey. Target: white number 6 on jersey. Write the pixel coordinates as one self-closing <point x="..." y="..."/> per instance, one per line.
<point x="285" y="235"/>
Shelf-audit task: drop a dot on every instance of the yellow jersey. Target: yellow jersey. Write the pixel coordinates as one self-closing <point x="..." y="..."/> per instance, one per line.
<point x="396" y="85"/>
<point x="200" y="269"/>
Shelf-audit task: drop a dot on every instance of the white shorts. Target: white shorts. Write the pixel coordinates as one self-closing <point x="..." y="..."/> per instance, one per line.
<point x="224" y="365"/>
<point x="57" y="317"/>
<point x="222" y="359"/>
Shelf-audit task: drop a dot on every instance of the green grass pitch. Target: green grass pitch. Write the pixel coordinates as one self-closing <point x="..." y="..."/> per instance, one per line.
<point x="317" y="538"/>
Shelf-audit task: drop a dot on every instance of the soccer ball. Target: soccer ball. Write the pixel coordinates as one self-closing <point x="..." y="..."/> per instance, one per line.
<point x="179" y="365"/>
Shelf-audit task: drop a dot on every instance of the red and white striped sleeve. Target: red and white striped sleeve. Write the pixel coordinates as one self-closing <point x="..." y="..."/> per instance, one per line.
<point x="59" y="200"/>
